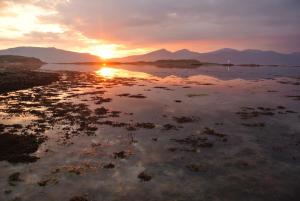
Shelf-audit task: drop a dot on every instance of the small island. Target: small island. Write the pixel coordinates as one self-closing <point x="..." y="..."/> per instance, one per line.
<point x="18" y="72"/>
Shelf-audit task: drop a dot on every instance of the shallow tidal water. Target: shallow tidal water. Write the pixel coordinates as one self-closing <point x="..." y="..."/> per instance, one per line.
<point x="146" y="133"/>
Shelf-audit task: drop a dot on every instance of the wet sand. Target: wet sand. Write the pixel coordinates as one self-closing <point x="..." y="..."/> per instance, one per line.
<point x="123" y="135"/>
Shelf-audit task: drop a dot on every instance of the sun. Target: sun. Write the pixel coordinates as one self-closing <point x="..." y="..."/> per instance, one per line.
<point x="105" y="53"/>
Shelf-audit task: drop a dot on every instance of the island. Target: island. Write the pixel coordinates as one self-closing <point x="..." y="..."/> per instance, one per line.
<point x="18" y="72"/>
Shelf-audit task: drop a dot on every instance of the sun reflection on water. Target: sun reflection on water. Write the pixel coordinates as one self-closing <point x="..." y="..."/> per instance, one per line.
<point x="109" y="73"/>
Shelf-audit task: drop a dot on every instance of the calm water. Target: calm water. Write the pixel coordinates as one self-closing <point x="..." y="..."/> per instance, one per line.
<point x="147" y="133"/>
<point x="219" y="72"/>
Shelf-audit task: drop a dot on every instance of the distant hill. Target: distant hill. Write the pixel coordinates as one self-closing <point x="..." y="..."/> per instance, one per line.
<point x="222" y="56"/>
<point x="11" y="62"/>
<point x="51" y="55"/>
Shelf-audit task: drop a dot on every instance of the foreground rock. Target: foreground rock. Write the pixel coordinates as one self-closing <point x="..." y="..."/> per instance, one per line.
<point x="17" y="148"/>
<point x="17" y="80"/>
<point x="10" y="62"/>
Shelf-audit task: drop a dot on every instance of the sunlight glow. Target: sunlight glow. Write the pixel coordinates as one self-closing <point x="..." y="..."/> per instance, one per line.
<point x="107" y="72"/>
<point x="110" y="73"/>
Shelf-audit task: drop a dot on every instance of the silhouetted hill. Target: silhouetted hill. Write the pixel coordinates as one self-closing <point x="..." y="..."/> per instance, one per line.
<point x="11" y="62"/>
<point x="222" y="56"/>
<point x="152" y="56"/>
<point x="50" y="55"/>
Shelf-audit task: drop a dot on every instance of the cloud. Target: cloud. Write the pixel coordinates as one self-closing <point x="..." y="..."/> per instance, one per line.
<point x="148" y="22"/>
<point x="265" y="24"/>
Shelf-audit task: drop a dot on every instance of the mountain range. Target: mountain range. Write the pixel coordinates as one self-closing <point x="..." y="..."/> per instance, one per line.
<point x="50" y="55"/>
<point x="222" y="56"/>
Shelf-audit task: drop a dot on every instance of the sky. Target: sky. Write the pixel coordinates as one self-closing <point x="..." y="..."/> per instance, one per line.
<point x="117" y="28"/>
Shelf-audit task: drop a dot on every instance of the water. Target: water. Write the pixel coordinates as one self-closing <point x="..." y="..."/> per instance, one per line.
<point x="211" y="133"/>
<point x="220" y="72"/>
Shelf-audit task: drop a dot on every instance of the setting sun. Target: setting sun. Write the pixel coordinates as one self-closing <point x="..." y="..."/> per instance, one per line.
<point x="105" y="53"/>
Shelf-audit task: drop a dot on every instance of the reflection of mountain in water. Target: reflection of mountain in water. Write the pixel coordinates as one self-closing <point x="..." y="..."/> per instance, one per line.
<point x="220" y="72"/>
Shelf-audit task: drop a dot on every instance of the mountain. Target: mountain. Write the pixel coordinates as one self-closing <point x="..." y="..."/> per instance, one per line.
<point x="221" y="56"/>
<point x="50" y="55"/>
<point x="152" y="56"/>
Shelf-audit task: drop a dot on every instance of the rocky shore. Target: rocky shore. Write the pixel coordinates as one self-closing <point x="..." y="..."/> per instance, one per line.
<point x="17" y="72"/>
<point x="17" y="80"/>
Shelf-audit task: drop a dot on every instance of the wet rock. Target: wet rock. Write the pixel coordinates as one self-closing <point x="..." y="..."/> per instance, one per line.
<point x="137" y="96"/>
<point x="132" y="96"/>
<point x="209" y="131"/>
<point x="168" y="127"/>
<point x="101" y="111"/>
<point x="255" y="125"/>
<point x="143" y="176"/>
<point x="109" y="166"/>
<point x="113" y="124"/>
<point x="45" y="182"/>
<point x="14" y="178"/>
<point x="115" y="113"/>
<point x="196" y="95"/>
<point x="194" y="167"/>
<point x="92" y="128"/>
<point x="131" y="128"/>
<point x="12" y="81"/>
<point x="100" y="100"/>
<point x="17" y="148"/>
<point x="145" y="125"/>
<point x="243" y="164"/>
<point x="183" y="119"/>
<point x="121" y="155"/>
<point x="249" y="113"/>
<point x="6" y="192"/>
<point x="289" y="82"/>
<point x="78" y="198"/>
<point x="172" y="149"/>
<point x="291" y="112"/>
<point x="194" y="142"/>
<point x="75" y="169"/>
<point x="297" y="98"/>
<point x="124" y="95"/>
<point x="164" y="88"/>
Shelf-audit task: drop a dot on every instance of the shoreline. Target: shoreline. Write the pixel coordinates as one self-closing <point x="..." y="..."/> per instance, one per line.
<point x="19" y="80"/>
